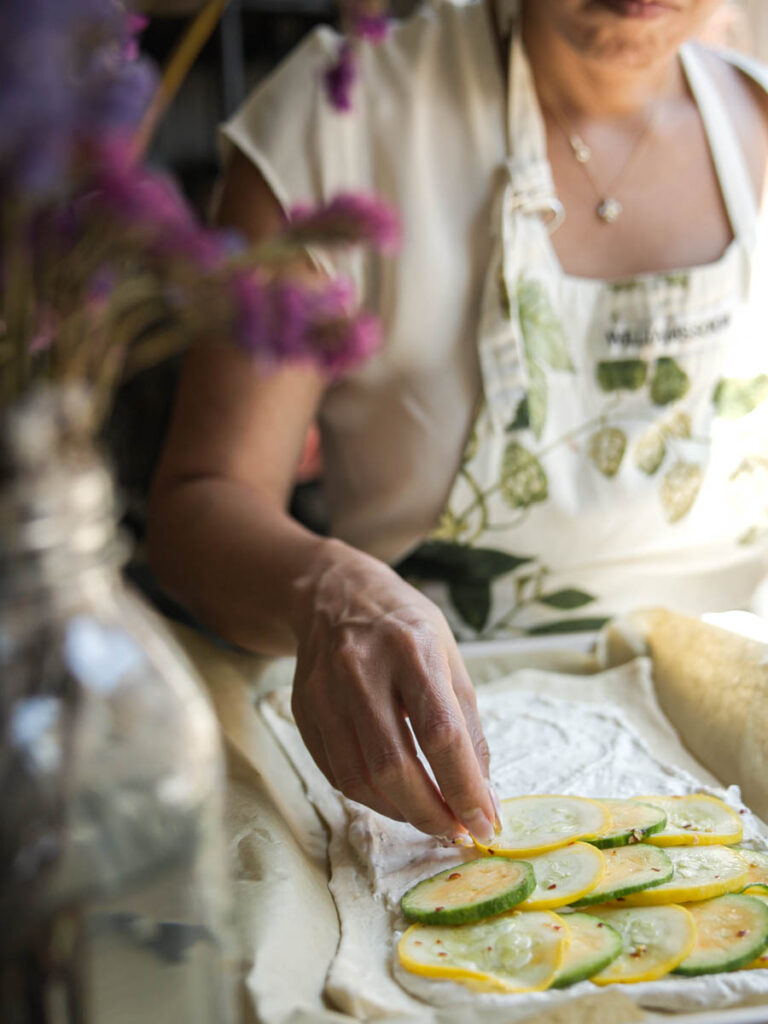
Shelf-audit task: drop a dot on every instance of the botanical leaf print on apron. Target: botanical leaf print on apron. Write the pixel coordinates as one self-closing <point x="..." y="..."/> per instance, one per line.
<point x="620" y="455"/>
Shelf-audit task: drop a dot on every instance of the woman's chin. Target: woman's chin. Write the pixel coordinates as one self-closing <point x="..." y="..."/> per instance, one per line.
<point x="629" y="33"/>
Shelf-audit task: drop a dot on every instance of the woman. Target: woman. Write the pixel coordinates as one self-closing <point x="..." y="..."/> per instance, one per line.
<point x="579" y="294"/>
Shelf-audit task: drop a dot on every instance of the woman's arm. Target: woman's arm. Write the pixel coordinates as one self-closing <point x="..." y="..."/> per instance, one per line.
<point x="371" y="650"/>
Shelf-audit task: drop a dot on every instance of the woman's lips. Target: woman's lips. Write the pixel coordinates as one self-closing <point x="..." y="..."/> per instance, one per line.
<point x="637" y="8"/>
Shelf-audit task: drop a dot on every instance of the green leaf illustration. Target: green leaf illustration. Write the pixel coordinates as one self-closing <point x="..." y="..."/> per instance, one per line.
<point x="567" y="599"/>
<point x="606" y="449"/>
<point x="504" y="299"/>
<point x="682" y="279"/>
<point x="631" y="285"/>
<point x="678" y="425"/>
<point x="622" y="374"/>
<point x="679" y="488"/>
<point x="569" y="626"/>
<point x="735" y="397"/>
<point x="472" y="601"/>
<point x="670" y="382"/>
<point x="522" y="418"/>
<point x="523" y="480"/>
<point x="449" y="527"/>
<point x="650" y="451"/>
<point x="442" y="560"/>
<point x="537" y="399"/>
<point x="543" y="334"/>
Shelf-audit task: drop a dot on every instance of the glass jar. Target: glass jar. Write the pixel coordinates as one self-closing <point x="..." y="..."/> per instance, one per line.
<point x="113" y="889"/>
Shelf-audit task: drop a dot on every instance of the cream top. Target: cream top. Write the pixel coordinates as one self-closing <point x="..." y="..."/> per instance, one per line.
<point x="427" y="132"/>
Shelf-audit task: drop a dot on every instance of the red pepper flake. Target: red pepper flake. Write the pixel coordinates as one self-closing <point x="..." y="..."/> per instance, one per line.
<point x="438" y="942"/>
<point x="687" y="825"/>
<point x="620" y="899"/>
<point x="742" y="811"/>
<point x="442" y="954"/>
<point x="437" y="909"/>
<point x="553" y="886"/>
<point x="555" y="927"/>
<point x="491" y="852"/>
<point x="636" y="953"/>
<point x="601" y="924"/>
<point x="741" y="934"/>
<point x="655" y="869"/>
<point x="455" y="875"/>
<point x="418" y="942"/>
<point x="488" y="949"/>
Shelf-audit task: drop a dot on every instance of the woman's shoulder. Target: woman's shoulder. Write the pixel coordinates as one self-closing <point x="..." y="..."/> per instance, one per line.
<point x="743" y="84"/>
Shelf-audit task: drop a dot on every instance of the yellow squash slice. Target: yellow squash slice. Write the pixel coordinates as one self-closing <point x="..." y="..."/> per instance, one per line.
<point x="699" y="873"/>
<point x="757" y="876"/>
<point x="695" y="820"/>
<point x="563" y="875"/>
<point x="536" y="824"/>
<point x="514" y="952"/>
<point x="654" y="941"/>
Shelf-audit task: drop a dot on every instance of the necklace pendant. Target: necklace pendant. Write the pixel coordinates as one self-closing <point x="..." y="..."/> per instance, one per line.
<point x="581" y="150"/>
<point x="609" y="210"/>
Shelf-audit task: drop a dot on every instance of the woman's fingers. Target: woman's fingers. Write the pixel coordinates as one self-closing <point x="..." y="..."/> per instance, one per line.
<point x="448" y="729"/>
<point x="395" y="769"/>
<point x="465" y="694"/>
<point x="350" y="772"/>
<point x="370" y="646"/>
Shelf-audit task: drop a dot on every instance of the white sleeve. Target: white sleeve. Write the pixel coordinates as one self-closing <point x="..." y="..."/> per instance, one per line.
<point x="305" y="149"/>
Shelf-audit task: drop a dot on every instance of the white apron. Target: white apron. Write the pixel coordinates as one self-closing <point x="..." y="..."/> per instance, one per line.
<point x="620" y="456"/>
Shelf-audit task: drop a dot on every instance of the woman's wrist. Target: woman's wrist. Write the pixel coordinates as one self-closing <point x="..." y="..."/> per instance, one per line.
<point x="324" y="572"/>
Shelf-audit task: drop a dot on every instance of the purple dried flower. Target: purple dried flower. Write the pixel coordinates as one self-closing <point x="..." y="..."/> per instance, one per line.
<point x="281" y="321"/>
<point x="46" y="332"/>
<point x="348" y="219"/>
<point x="340" y="78"/>
<point x="367" y="19"/>
<point x="341" y="346"/>
<point x="364" y="19"/>
<point x="135" y="25"/>
<point x="373" y="27"/>
<point x="64" y="79"/>
<point x="150" y="202"/>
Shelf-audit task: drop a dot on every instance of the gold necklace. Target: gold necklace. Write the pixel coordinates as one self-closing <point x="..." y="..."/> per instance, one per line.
<point x="608" y="208"/>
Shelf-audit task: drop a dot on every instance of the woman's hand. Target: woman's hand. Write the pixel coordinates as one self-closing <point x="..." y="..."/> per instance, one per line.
<point x="372" y="653"/>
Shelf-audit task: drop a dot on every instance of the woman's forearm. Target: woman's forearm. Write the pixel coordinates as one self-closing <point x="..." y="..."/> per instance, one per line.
<point x="232" y="558"/>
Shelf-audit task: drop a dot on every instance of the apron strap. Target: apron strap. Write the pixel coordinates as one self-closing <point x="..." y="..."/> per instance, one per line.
<point x="725" y="147"/>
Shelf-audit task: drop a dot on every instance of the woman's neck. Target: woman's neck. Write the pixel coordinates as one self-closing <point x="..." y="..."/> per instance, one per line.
<point x="582" y="88"/>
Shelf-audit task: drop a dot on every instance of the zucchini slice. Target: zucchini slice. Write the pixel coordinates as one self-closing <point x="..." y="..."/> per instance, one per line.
<point x="699" y="874"/>
<point x="564" y="875"/>
<point x="515" y="952"/>
<point x="632" y="822"/>
<point x="696" y="820"/>
<point x="757" y="874"/>
<point x="731" y="931"/>
<point x="593" y="946"/>
<point x="629" y="869"/>
<point x="762" y="960"/>
<point x="654" y="941"/>
<point x="536" y="824"/>
<point x="470" y="891"/>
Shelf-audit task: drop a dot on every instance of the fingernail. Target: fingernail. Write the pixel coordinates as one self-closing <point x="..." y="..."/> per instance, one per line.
<point x="496" y="807"/>
<point x="479" y="826"/>
<point x="462" y="839"/>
